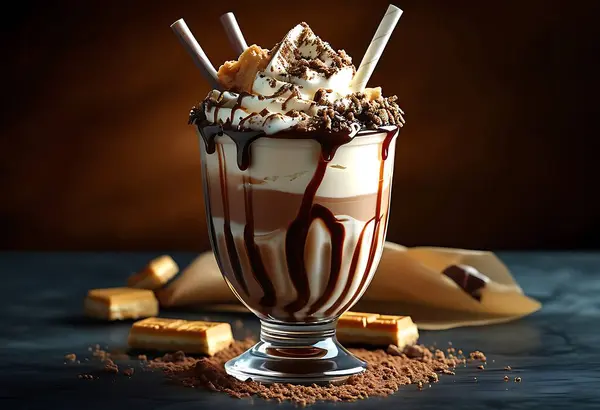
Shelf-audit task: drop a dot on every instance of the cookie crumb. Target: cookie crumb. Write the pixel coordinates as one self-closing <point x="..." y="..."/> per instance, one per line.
<point x="480" y="367"/>
<point x="111" y="367"/>
<point x="477" y="355"/>
<point x="71" y="357"/>
<point x="508" y="368"/>
<point x="517" y="380"/>
<point x="128" y="372"/>
<point x="394" y="350"/>
<point x="506" y="378"/>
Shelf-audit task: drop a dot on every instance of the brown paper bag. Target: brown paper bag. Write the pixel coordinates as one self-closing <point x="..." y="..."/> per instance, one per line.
<point x="440" y="288"/>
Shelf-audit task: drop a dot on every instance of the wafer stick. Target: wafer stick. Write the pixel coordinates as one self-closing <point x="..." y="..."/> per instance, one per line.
<point x="195" y="51"/>
<point x="375" y="50"/>
<point x="234" y="33"/>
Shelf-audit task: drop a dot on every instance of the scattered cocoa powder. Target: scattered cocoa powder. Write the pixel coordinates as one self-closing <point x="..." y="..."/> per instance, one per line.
<point x="111" y="367"/>
<point x="387" y="371"/>
<point x="477" y="355"/>
<point x="394" y="350"/>
<point x="71" y="357"/>
<point x="99" y="353"/>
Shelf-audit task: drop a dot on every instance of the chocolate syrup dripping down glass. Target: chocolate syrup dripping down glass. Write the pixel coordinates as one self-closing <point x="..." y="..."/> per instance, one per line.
<point x="258" y="267"/>
<point x="338" y="234"/>
<point x="234" y="258"/>
<point x="295" y="241"/>
<point x="334" y="309"/>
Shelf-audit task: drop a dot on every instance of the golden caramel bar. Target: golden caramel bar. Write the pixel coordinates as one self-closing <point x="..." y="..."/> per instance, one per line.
<point x="376" y="329"/>
<point x="176" y="334"/>
<point x="157" y="273"/>
<point x="120" y="303"/>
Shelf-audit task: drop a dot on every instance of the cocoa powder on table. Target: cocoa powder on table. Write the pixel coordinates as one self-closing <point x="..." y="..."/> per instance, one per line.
<point x="386" y="372"/>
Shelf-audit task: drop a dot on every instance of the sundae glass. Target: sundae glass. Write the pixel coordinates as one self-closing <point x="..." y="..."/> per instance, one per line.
<point x="297" y="165"/>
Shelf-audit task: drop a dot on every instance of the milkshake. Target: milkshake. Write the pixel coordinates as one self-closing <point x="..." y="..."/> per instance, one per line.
<point x="297" y="170"/>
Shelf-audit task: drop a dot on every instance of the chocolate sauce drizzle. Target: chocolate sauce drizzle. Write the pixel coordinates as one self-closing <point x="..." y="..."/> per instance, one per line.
<point x="234" y="258"/>
<point x="258" y="267"/>
<point x="298" y="229"/>
<point x="373" y="249"/>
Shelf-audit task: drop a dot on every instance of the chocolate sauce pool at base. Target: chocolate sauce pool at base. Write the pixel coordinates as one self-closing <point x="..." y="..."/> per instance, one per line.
<point x="298" y="228"/>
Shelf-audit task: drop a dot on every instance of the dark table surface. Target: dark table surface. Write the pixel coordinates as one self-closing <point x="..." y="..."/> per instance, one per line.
<point x="556" y="351"/>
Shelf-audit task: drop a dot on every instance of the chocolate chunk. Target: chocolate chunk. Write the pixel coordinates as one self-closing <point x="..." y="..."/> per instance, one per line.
<point x="468" y="279"/>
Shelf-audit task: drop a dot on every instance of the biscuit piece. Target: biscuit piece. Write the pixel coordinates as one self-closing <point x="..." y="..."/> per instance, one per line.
<point x="239" y="75"/>
<point x="176" y="334"/>
<point x="120" y="303"/>
<point x="155" y="275"/>
<point x="377" y="330"/>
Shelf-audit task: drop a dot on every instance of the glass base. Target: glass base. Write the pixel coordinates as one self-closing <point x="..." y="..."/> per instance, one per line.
<point x="298" y="353"/>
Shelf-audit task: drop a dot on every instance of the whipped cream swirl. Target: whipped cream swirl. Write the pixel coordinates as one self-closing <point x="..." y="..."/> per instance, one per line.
<point x="301" y="67"/>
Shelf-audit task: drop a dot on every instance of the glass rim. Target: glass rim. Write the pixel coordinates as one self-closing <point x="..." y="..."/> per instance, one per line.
<point x="363" y="137"/>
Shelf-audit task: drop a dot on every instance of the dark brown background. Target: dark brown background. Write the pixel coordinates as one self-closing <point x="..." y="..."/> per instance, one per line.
<point x="500" y="100"/>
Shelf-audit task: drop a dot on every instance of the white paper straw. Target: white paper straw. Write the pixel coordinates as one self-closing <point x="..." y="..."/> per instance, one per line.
<point x="234" y="33"/>
<point x="195" y="51"/>
<point x="375" y="50"/>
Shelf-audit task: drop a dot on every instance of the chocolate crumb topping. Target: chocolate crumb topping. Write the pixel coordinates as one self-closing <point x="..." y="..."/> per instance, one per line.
<point x="370" y="114"/>
<point x="300" y="56"/>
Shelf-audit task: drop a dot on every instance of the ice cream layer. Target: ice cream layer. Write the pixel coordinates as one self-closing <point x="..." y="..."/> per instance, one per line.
<point x="288" y="165"/>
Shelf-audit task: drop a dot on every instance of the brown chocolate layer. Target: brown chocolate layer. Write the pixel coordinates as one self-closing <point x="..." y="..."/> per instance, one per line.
<point x="273" y="209"/>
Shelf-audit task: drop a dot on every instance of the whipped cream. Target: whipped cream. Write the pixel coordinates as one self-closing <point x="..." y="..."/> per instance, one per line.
<point x="330" y="71"/>
<point x="253" y="112"/>
<point x="282" y="95"/>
